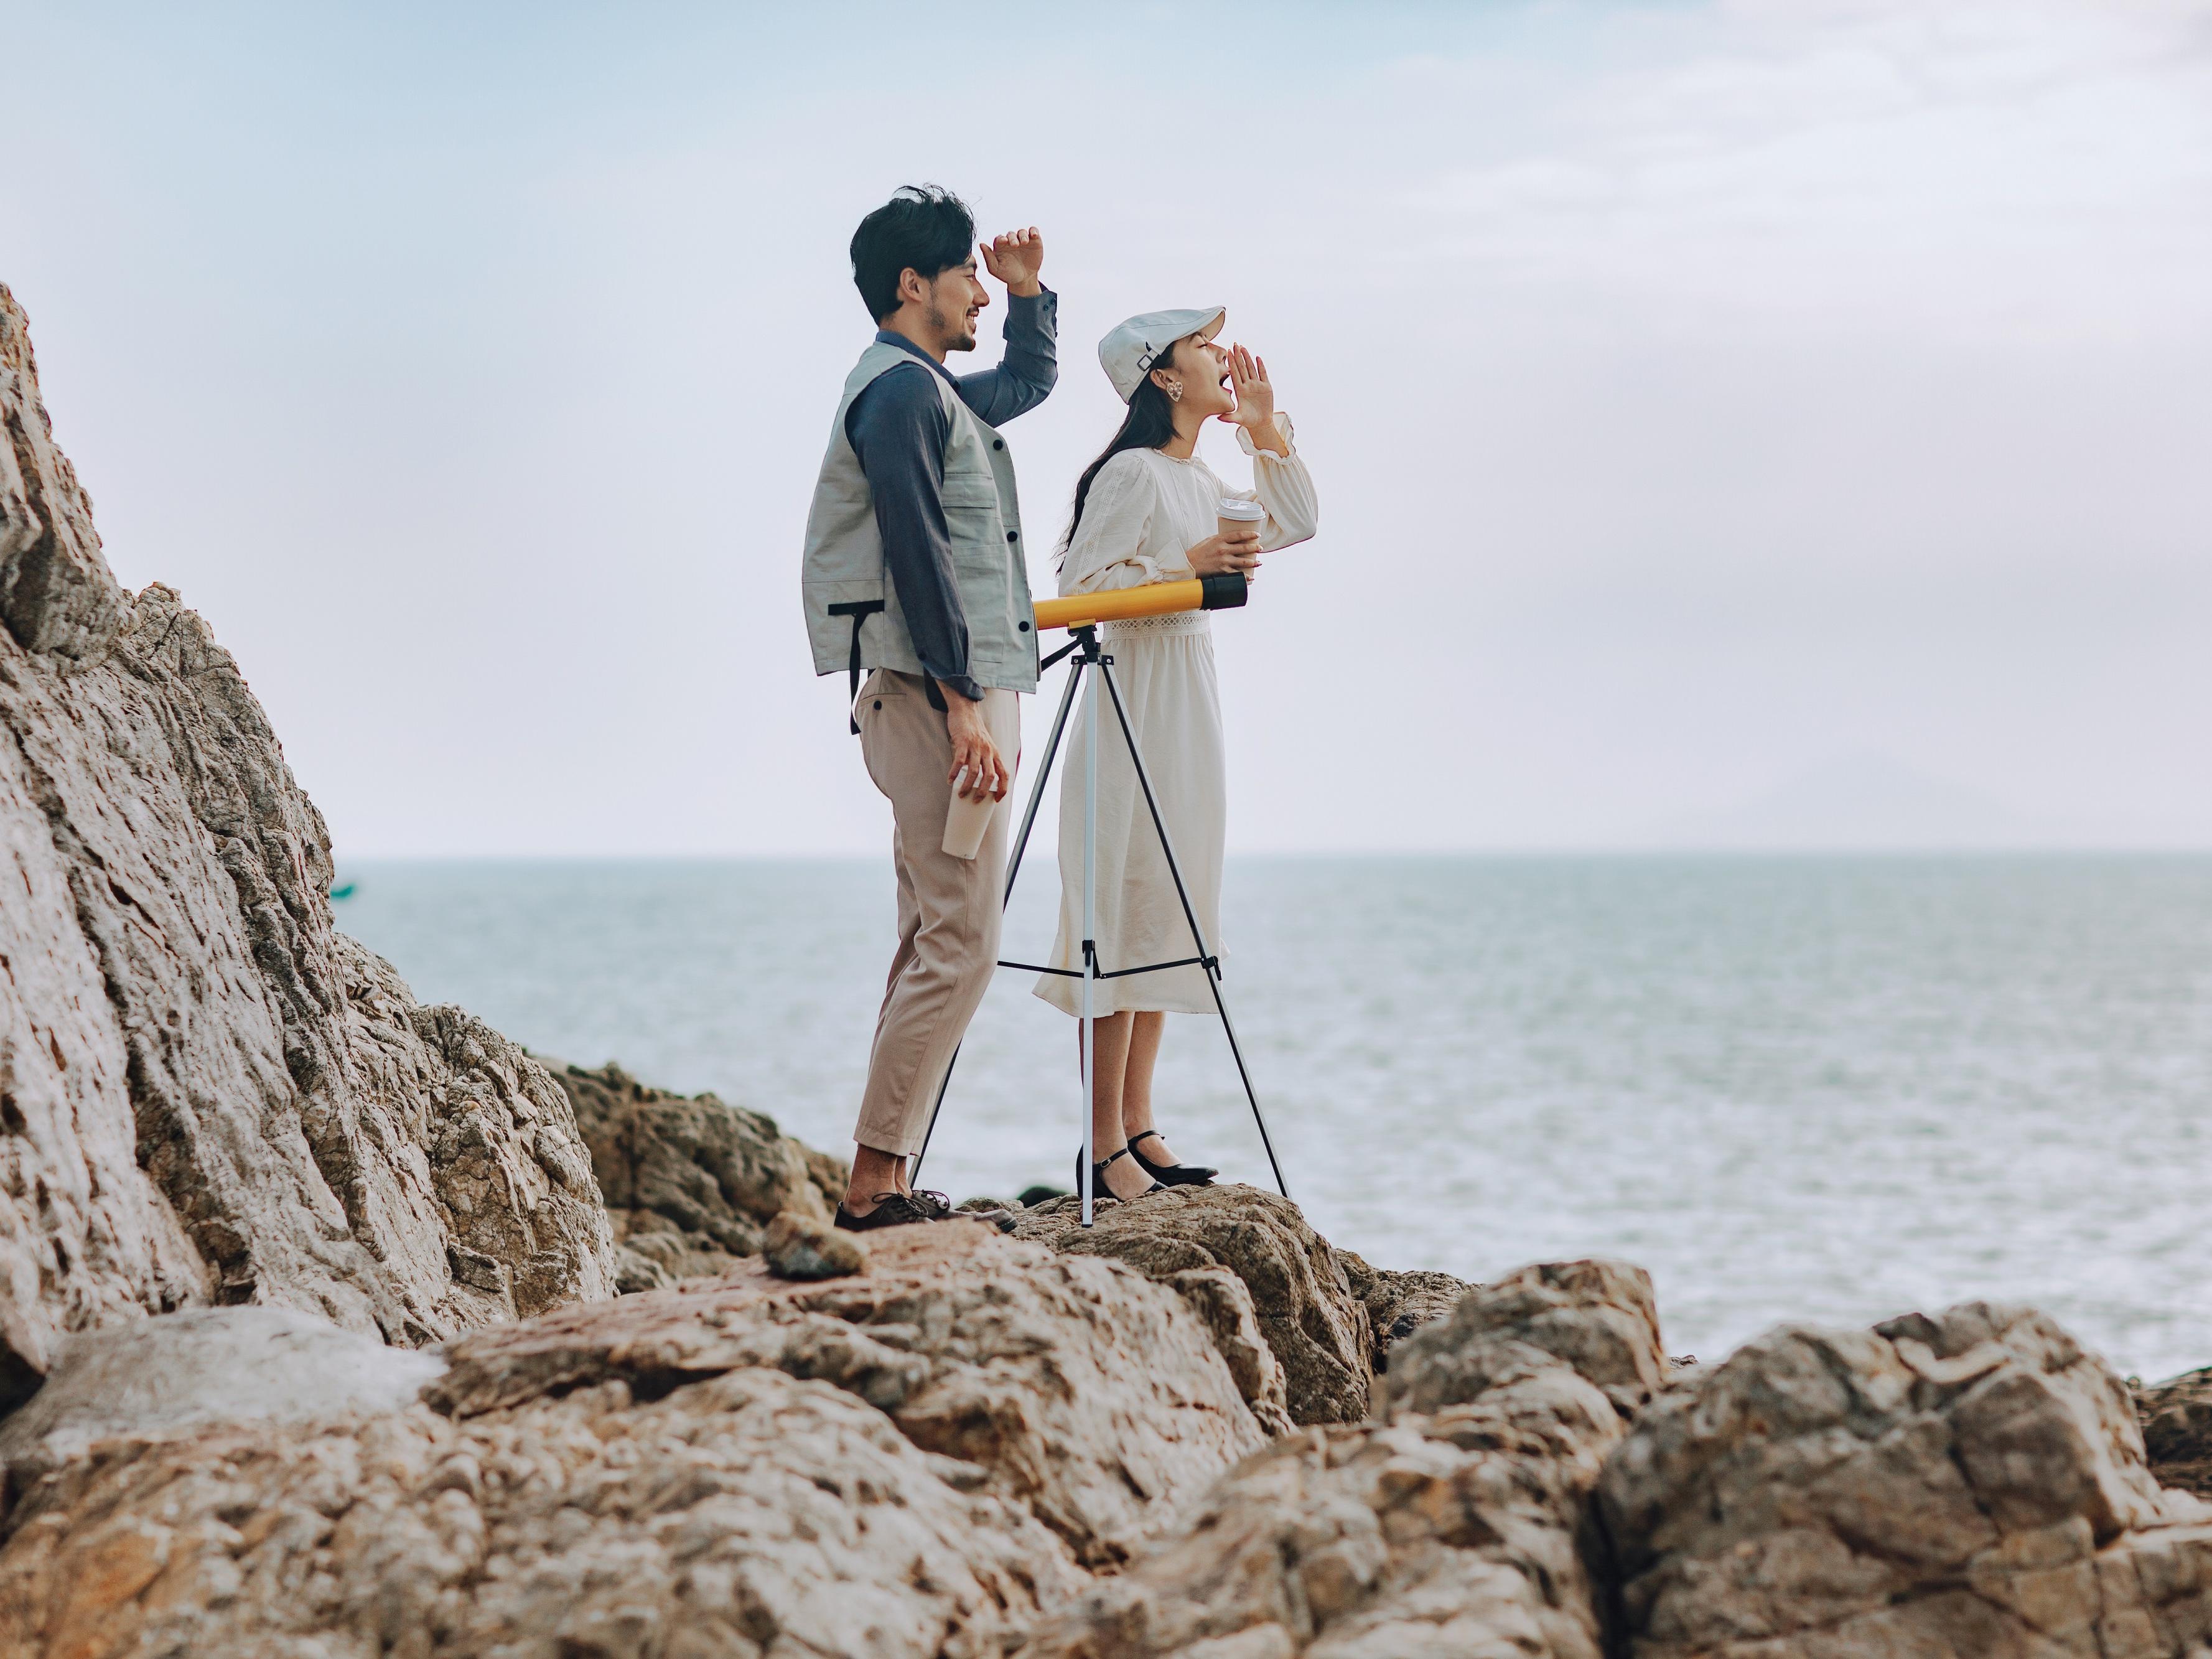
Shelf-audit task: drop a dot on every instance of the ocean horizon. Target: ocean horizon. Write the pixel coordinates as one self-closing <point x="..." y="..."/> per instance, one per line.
<point x="1797" y="1087"/>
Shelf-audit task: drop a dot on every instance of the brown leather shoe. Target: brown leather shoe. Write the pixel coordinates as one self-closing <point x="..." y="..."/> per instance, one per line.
<point x="892" y="1209"/>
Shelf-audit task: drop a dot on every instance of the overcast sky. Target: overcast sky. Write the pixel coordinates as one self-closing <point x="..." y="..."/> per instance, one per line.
<point x="1726" y="417"/>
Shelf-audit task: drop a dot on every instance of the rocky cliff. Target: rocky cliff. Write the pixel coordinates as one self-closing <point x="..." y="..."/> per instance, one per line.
<point x="207" y="1094"/>
<point x="978" y="1446"/>
<point x="920" y="1461"/>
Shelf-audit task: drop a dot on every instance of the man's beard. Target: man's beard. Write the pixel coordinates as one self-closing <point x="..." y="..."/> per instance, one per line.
<point x="963" y="340"/>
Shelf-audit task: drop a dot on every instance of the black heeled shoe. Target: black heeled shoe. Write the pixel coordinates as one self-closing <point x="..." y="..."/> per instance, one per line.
<point x="1169" y="1175"/>
<point x="1098" y="1188"/>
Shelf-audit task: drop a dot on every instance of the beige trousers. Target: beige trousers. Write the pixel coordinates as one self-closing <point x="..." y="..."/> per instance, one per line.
<point x="948" y="913"/>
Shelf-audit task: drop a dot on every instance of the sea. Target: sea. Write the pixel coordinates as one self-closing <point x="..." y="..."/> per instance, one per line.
<point x="1796" y="1089"/>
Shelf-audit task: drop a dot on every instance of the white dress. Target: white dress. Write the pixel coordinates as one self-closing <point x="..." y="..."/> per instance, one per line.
<point x="1145" y="511"/>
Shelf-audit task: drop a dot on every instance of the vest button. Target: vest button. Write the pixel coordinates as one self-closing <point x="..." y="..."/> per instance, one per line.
<point x="1023" y="627"/>
<point x="1013" y="535"/>
<point x="997" y="443"/>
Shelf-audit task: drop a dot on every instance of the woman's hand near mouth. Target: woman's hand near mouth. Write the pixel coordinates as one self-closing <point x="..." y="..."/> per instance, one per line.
<point x="1255" y="400"/>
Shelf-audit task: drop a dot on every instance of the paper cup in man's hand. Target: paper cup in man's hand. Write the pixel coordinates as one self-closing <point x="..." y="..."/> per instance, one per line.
<point x="965" y="820"/>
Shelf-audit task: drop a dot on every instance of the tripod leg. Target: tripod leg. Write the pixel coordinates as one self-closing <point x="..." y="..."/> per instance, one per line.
<point x="1090" y="930"/>
<point x="1190" y="915"/>
<point x="1014" y="869"/>
<point x="1237" y="1052"/>
<point x="1037" y="791"/>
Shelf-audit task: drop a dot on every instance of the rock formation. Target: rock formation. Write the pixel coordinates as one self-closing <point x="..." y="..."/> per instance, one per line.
<point x="689" y="1182"/>
<point x="208" y="1095"/>
<point x="1456" y="1525"/>
<point x="1399" y="1304"/>
<point x="800" y="1246"/>
<point x="1596" y="1317"/>
<point x="1315" y="1326"/>
<point x="976" y="1445"/>
<point x="156" y="1379"/>
<point x="745" y="1514"/>
<point x="914" y="1462"/>
<point x="1972" y="1484"/>
<point x="1097" y="1398"/>
<point x="2177" y="1429"/>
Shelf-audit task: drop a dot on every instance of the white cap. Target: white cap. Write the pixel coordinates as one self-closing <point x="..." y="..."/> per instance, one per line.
<point x="1128" y="353"/>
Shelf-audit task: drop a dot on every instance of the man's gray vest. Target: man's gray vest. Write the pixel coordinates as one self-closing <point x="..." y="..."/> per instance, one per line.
<point x="853" y="615"/>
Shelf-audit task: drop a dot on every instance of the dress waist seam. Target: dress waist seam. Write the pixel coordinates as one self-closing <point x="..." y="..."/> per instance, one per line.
<point x="1184" y="623"/>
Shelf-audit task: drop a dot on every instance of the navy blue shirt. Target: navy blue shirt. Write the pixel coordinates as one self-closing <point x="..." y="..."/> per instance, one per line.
<point x="898" y="428"/>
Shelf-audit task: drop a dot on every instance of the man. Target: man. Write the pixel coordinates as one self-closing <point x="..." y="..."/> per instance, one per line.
<point x="915" y="575"/>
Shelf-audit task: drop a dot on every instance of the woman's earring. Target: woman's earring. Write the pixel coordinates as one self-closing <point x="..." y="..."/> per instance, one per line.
<point x="1175" y="391"/>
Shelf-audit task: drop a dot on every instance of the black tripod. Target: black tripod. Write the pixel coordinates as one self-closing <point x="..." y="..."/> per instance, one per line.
<point x="1084" y="648"/>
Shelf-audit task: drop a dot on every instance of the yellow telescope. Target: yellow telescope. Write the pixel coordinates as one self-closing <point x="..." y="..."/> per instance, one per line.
<point x="1222" y="592"/>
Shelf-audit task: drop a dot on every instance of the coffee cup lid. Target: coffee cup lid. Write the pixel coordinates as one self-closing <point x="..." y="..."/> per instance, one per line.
<point x="1237" y="508"/>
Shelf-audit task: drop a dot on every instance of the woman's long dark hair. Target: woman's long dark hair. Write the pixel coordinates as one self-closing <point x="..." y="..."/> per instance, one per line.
<point x="1149" y="424"/>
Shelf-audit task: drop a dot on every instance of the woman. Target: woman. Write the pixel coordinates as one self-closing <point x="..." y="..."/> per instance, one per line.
<point x="1146" y="511"/>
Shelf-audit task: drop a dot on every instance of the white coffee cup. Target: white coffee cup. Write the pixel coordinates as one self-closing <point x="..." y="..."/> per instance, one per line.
<point x="1236" y="516"/>
<point x="966" y="820"/>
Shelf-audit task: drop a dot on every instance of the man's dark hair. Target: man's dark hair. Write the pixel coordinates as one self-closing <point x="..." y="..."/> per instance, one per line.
<point x="924" y="228"/>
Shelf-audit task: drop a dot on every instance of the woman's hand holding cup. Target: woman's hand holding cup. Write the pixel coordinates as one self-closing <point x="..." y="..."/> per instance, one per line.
<point x="1220" y="555"/>
<point x="1238" y="520"/>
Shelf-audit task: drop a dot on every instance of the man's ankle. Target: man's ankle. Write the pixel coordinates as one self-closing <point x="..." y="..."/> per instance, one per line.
<point x="874" y="1173"/>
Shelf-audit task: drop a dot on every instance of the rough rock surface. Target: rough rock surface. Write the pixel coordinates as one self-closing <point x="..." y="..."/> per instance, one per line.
<point x="2176" y="1428"/>
<point x="1223" y="1304"/>
<point x="689" y="1182"/>
<point x="1093" y="1397"/>
<point x="1457" y="1526"/>
<point x="745" y="1514"/>
<point x="1399" y="1304"/>
<point x="1316" y="1329"/>
<point x="908" y="1462"/>
<point x="1970" y="1484"/>
<point x="1598" y="1317"/>
<point x="207" y="1095"/>
<point x="154" y="1379"/>
<point x="795" y="1247"/>
<point x="57" y="596"/>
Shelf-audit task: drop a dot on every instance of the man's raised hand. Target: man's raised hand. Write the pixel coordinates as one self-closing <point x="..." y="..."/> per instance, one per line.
<point x="1015" y="257"/>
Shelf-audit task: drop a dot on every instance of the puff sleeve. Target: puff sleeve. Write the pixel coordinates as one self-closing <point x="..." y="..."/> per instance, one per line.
<point x="1283" y="487"/>
<point x="1109" y="548"/>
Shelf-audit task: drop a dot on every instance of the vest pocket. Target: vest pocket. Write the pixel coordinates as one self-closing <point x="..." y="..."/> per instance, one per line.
<point x="963" y="490"/>
<point x="980" y="544"/>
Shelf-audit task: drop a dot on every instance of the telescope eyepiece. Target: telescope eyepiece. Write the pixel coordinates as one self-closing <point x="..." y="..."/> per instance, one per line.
<point x="1224" y="592"/>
